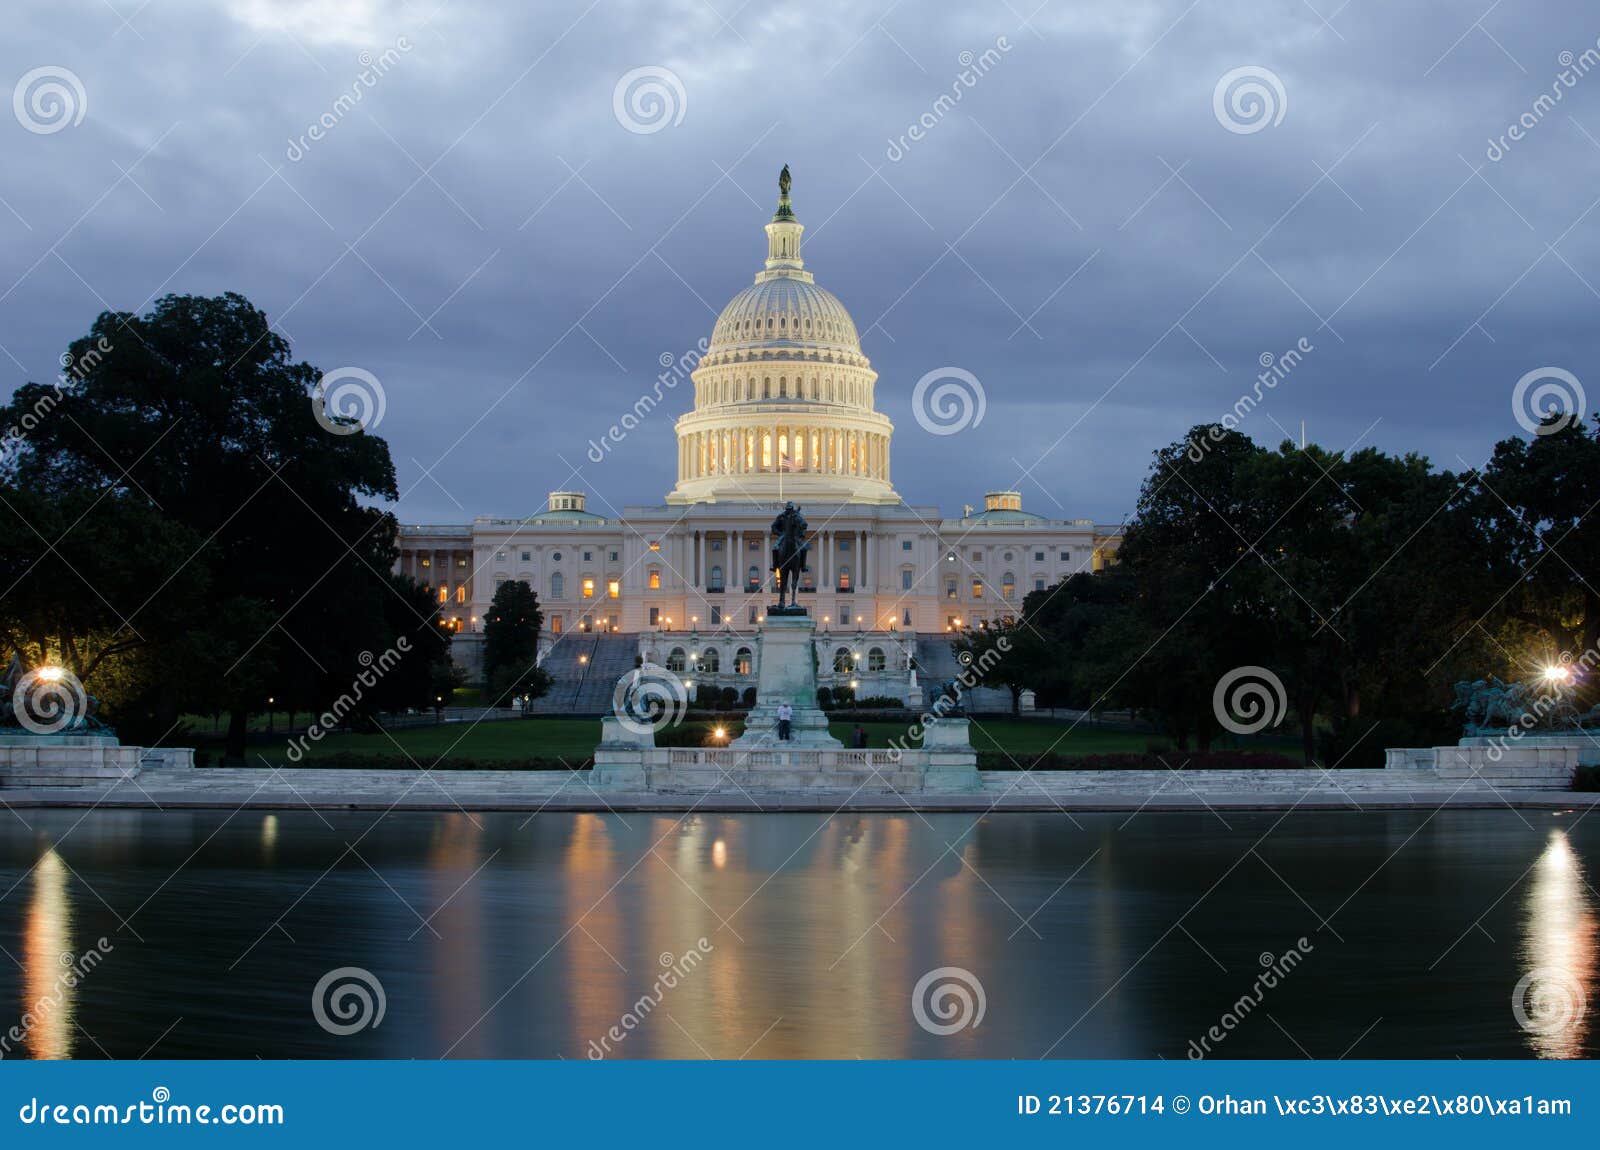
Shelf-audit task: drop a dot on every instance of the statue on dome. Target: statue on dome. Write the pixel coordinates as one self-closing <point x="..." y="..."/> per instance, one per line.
<point x="784" y="181"/>
<point x="789" y="549"/>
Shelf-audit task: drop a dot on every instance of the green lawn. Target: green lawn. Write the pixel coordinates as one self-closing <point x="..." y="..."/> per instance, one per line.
<point x="574" y="739"/>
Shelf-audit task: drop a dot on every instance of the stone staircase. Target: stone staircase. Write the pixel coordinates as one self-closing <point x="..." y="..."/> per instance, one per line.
<point x="755" y="771"/>
<point x="936" y="663"/>
<point x="584" y="670"/>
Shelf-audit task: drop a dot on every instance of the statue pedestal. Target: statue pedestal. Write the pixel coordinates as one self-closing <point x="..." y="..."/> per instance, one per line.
<point x="788" y="674"/>
<point x="952" y="763"/>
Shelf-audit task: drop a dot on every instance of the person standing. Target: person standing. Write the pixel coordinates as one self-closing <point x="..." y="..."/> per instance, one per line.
<point x="785" y="717"/>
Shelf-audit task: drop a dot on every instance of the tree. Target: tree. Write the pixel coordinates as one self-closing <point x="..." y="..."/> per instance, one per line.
<point x="987" y="655"/>
<point x="511" y="644"/>
<point x="198" y="411"/>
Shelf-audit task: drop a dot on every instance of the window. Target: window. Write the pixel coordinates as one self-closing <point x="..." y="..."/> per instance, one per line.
<point x="949" y="588"/>
<point x="1038" y="556"/>
<point x="655" y="580"/>
<point x="716" y="579"/>
<point x="716" y="614"/>
<point x="527" y="555"/>
<point x="977" y="588"/>
<point x="875" y="659"/>
<point x="841" y="661"/>
<point x="555" y="624"/>
<point x="588" y="588"/>
<point x="906" y="576"/>
<point x="613" y="588"/>
<point x="655" y="616"/>
<point x="710" y="660"/>
<point x="675" y="661"/>
<point x="555" y="585"/>
<point x="742" y="661"/>
<point x="844" y="578"/>
<point x="905" y="545"/>
<point x="1008" y="585"/>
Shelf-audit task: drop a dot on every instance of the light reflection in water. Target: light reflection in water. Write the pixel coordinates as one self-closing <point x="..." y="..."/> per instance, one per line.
<point x="1558" y="953"/>
<point x="47" y="1000"/>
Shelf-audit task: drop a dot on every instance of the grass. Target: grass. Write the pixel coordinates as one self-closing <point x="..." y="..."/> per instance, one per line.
<point x="511" y="740"/>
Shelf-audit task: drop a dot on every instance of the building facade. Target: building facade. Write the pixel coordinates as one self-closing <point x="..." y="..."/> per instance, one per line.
<point x="784" y="410"/>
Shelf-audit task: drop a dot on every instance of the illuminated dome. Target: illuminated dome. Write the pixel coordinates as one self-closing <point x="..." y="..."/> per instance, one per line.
<point x="783" y="396"/>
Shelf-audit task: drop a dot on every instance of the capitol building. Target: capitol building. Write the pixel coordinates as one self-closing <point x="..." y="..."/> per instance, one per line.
<point x="784" y="410"/>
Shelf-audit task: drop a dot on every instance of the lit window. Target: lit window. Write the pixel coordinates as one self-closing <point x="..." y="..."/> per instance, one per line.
<point x="588" y="588"/>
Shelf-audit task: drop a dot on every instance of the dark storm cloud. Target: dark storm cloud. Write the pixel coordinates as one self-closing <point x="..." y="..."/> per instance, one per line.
<point x="517" y="298"/>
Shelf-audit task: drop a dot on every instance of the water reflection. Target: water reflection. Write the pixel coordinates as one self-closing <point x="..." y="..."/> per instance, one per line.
<point x="47" y="998"/>
<point x="1558" y="954"/>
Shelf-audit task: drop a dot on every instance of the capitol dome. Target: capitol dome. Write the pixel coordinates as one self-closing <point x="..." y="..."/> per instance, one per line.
<point x="783" y="395"/>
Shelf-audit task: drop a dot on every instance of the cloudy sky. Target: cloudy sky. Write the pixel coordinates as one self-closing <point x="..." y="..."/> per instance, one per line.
<point x="1104" y="237"/>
